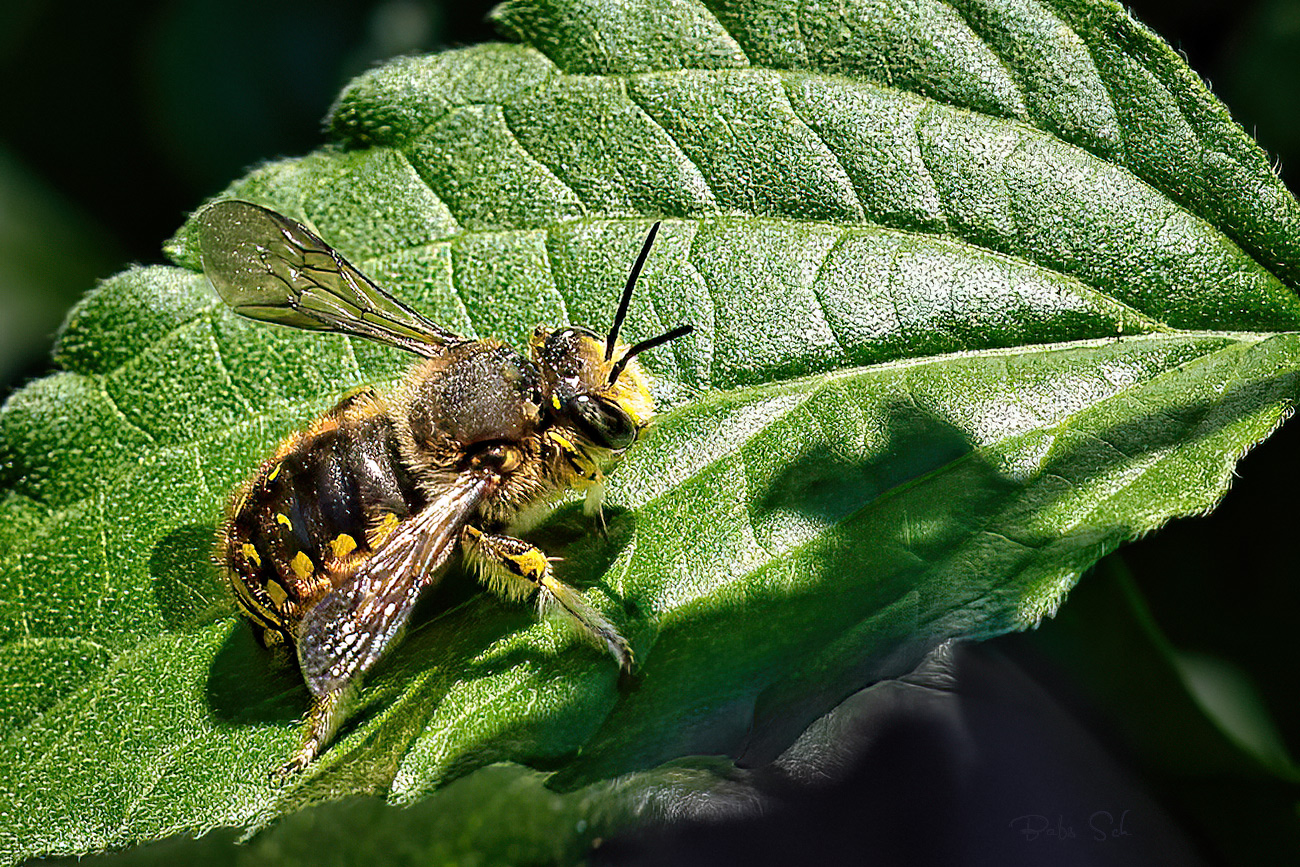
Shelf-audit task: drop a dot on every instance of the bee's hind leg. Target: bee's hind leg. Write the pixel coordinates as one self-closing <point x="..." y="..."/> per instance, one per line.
<point x="322" y="721"/>
<point x="516" y="569"/>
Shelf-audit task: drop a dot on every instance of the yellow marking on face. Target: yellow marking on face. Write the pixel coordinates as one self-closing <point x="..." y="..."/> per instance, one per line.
<point x="282" y="518"/>
<point x="580" y="461"/>
<point x="251" y="553"/>
<point x="302" y="565"/>
<point x="531" y="564"/>
<point x="343" y="545"/>
<point x="555" y="402"/>
<point x="276" y="592"/>
<point x="275" y="471"/>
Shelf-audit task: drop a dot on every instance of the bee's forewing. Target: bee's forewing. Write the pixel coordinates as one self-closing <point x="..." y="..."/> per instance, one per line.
<point x="269" y="267"/>
<point x="345" y="633"/>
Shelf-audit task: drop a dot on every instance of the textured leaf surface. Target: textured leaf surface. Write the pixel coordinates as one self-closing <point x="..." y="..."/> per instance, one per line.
<point x="981" y="290"/>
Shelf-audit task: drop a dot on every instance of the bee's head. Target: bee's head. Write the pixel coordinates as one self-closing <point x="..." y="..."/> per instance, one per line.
<point x="583" y="391"/>
<point x="594" y="383"/>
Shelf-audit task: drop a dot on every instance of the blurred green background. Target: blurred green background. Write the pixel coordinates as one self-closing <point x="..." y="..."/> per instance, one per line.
<point x="120" y="118"/>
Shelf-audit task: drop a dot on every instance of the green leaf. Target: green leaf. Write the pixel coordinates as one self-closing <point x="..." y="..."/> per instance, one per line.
<point x="982" y="290"/>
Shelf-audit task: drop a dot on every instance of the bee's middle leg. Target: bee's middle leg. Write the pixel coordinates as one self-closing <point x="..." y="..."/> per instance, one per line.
<point x="516" y="569"/>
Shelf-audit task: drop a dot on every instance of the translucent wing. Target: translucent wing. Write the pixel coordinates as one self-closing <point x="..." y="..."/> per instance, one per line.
<point x="269" y="267"/>
<point x="345" y="633"/>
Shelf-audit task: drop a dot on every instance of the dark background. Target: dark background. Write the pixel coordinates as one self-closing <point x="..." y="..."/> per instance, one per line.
<point x="118" y="119"/>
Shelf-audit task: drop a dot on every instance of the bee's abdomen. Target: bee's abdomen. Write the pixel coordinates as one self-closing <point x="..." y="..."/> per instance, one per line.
<point x="313" y="510"/>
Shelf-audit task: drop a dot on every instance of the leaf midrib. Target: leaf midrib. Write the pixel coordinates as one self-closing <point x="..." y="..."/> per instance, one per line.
<point x="819" y="382"/>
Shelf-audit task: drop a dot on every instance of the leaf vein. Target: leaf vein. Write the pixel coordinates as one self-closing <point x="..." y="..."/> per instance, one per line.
<point x="1011" y="75"/>
<point x="352" y="357"/>
<point x="817" y="294"/>
<point x="456" y="290"/>
<point x="672" y="139"/>
<point x="155" y="775"/>
<point x="923" y="161"/>
<point x="691" y="255"/>
<point x="219" y="356"/>
<point x="1125" y="155"/>
<point x="117" y="410"/>
<point x="824" y="380"/>
<point x="846" y="180"/>
<point x="39" y="640"/>
<point x="541" y="164"/>
<point x="103" y="549"/>
<point x="747" y="502"/>
<point x="723" y="27"/>
<point x="406" y="160"/>
<point x="550" y="272"/>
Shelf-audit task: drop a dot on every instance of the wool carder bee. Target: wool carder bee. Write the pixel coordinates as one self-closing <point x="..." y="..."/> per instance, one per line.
<point x="329" y="543"/>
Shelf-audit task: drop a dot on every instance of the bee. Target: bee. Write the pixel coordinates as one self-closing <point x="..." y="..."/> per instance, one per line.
<point x="330" y="542"/>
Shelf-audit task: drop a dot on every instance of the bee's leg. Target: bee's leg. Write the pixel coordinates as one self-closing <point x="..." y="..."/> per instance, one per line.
<point x="587" y="474"/>
<point x="591" y="505"/>
<point x="322" y="722"/>
<point x="516" y="569"/>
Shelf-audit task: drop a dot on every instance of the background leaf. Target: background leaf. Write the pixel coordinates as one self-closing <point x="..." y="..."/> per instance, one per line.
<point x="954" y="303"/>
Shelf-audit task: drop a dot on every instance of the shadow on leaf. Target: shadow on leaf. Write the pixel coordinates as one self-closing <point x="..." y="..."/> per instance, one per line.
<point x="187" y="583"/>
<point x="825" y="484"/>
<point x="248" y="683"/>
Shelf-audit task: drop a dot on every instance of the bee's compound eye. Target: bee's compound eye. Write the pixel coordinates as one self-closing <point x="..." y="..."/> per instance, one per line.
<point x="500" y="457"/>
<point x="607" y="426"/>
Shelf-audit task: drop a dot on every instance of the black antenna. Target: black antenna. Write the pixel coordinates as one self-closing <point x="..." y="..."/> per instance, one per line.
<point x="679" y="331"/>
<point x="627" y="291"/>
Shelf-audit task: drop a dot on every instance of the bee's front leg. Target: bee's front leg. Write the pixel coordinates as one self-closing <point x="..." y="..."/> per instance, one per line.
<point x="592" y="505"/>
<point x="581" y="472"/>
<point x="516" y="569"/>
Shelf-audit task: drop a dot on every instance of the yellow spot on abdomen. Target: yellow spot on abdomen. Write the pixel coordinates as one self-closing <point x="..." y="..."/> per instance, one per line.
<point x="251" y="553"/>
<point x="282" y="518"/>
<point x="302" y="565"/>
<point x="343" y="545"/>
<point x="276" y="592"/>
